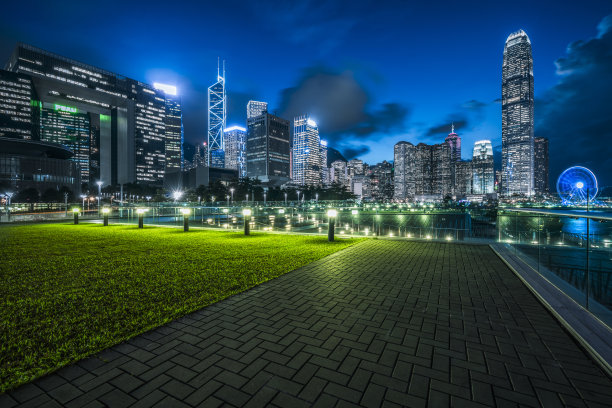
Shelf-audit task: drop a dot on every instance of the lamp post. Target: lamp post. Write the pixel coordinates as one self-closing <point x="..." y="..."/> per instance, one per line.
<point x="354" y="213"/>
<point x="227" y="197"/>
<point x="65" y="204"/>
<point x="247" y="220"/>
<point x="177" y="195"/>
<point x="99" y="183"/>
<point x="105" y="212"/>
<point x="83" y="196"/>
<point x="317" y="197"/>
<point x="75" y="211"/>
<point x="232" y="192"/>
<point x="264" y="198"/>
<point x="212" y="201"/>
<point x="285" y="199"/>
<point x="247" y="199"/>
<point x="185" y="212"/>
<point x="331" y="214"/>
<point x="140" y="212"/>
<point x="298" y="193"/>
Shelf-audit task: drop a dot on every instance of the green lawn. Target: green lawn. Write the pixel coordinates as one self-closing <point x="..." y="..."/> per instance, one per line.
<point x="68" y="291"/>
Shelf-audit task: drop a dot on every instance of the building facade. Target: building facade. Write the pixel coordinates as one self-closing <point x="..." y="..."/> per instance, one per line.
<point x="463" y="177"/>
<point x="517" y="116"/>
<point x="483" y="180"/>
<point x="18" y="106"/>
<point x="126" y="119"/>
<point x="268" y="149"/>
<point x="403" y="161"/>
<point x="541" y="165"/>
<point x="306" y="152"/>
<point x="256" y="108"/>
<point x="217" y="115"/>
<point x="174" y="127"/>
<point x="235" y="149"/>
<point x="454" y="142"/>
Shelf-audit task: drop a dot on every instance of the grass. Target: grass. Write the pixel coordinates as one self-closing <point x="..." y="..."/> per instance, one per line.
<point x="69" y="291"/>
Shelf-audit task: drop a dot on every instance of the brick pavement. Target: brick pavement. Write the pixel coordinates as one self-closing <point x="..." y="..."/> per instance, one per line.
<point x="383" y="323"/>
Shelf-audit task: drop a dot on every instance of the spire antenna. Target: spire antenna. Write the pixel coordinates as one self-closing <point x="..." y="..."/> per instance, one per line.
<point x="453" y="127"/>
<point x="217" y="67"/>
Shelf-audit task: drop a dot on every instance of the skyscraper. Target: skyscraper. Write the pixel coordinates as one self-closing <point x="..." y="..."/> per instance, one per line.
<point x="483" y="180"/>
<point x="217" y="112"/>
<point x="454" y="141"/>
<point x="541" y="165"/>
<point x="18" y="106"/>
<point x="306" y="152"/>
<point x="517" y="116"/>
<point x="256" y="108"/>
<point x="268" y="149"/>
<point x="174" y="127"/>
<point x="403" y="176"/>
<point x="123" y="119"/>
<point x="235" y="149"/>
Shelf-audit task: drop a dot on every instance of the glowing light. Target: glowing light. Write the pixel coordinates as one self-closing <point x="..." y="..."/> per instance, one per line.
<point x="185" y="211"/>
<point x="177" y="195"/>
<point x="281" y="211"/>
<point x="229" y="129"/>
<point x="311" y="123"/>
<point x="323" y="142"/>
<point x="142" y="210"/>
<point x="246" y="212"/>
<point x="105" y="210"/>
<point x="579" y="184"/>
<point x="332" y="213"/>
<point x="354" y="212"/>
<point x="225" y="210"/>
<point x="63" y="108"/>
<point x="168" y="89"/>
<point x="76" y="210"/>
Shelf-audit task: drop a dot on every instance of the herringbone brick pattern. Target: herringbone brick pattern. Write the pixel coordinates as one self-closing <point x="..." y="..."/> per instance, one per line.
<point x="383" y="323"/>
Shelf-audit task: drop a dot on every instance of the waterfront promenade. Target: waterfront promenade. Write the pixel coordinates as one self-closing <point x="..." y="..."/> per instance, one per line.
<point x="382" y="323"/>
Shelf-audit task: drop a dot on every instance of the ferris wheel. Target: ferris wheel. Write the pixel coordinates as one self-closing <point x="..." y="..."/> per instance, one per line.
<point x="577" y="185"/>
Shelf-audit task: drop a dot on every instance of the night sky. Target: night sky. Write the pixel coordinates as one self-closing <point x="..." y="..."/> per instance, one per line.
<point x="370" y="74"/>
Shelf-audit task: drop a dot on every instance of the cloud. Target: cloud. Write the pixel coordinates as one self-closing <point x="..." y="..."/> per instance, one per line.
<point x="341" y="106"/>
<point x="352" y="152"/>
<point x="575" y="114"/>
<point x="474" y="105"/>
<point x="444" y="128"/>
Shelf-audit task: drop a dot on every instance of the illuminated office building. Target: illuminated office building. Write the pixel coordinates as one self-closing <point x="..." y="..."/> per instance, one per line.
<point x="541" y="165"/>
<point x="517" y="116"/>
<point x="483" y="181"/>
<point x="268" y="149"/>
<point x="18" y="107"/>
<point x="174" y="127"/>
<point x="306" y="152"/>
<point x="454" y="141"/>
<point x="235" y="149"/>
<point x="256" y="108"/>
<point x="217" y="113"/>
<point x="403" y="176"/>
<point x="126" y="118"/>
<point x="324" y="168"/>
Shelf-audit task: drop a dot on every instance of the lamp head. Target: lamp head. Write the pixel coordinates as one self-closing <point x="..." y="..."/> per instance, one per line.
<point x="105" y="210"/>
<point x="76" y="210"/>
<point x="141" y="210"/>
<point x="185" y="211"/>
<point x="246" y="212"/>
<point x="332" y="213"/>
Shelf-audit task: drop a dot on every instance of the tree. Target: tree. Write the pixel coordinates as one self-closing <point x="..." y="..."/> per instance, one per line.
<point x="51" y="195"/>
<point x="28" y="195"/>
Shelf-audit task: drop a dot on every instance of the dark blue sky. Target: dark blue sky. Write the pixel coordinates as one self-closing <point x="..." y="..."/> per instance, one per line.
<point x="371" y="73"/>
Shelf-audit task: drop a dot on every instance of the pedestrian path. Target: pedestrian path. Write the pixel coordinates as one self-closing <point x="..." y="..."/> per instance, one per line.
<point x="382" y="323"/>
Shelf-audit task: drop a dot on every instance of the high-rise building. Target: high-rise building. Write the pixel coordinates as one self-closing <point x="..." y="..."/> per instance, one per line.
<point x="463" y="177"/>
<point x="403" y="176"/>
<point x="324" y="169"/>
<point x="217" y="114"/>
<point x="454" y="141"/>
<point x="381" y="180"/>
<point x="174" y="127"/>
<point x="306" y="152"/>
<point x="483" y="181"/>
<point x="125" y="119"/>
<point x="517" y="116"/>
<point x="235" y="149"/>
<point x="338" y="173"/>
<point x="18" y="107"/>
<point x="268" y="149"/>
<point x="541" y="165"/>
<point x="441" y="165"/>
<point x="200" y="155"/>
<point x="256" y="108"/>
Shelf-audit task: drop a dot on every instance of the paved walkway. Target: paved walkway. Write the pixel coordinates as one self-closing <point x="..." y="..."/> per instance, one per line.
<point x="383" y="323"/>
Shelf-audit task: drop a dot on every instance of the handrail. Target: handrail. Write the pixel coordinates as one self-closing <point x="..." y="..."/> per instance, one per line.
<point x="591" y="215"/>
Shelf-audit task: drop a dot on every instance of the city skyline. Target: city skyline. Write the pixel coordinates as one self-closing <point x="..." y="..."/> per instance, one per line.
<point x="387" y="120"/>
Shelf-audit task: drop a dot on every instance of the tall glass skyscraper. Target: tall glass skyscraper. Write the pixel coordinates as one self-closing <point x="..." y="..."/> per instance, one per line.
<point x="306" y="152"/>
<point x="517" y="116"/>
<point x="541" y="165"/>
<point x="483" y="177"/>
<point x="174" y="127"/>
<point x="235" y="149"/>
<point x="403" y="161"/>
<point x="268" y="149"/>
<point x="217" y="113"/>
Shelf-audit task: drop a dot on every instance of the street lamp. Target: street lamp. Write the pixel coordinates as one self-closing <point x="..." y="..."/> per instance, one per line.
<point x="232" y="192"/>
<point x="317" y="197"/>
<point x="99" y="183"/>
<point x="247" y="219"/>
<point x="83" y="196"/>
<point x="177" y="195"/>
<point x="285" y="199"/>
<point x="227" y="197"/>
<point x="247" y="199"/>
<point x="185" y="212"/>
<point x="75" y="211"/>
<point x="264" y="198"/>
<point x="212" y="200"/>
<point x="298" y="193"/>
<point x="331" y="214"/>
<point x="140" y="212"/>
<point x="105" y="212"/>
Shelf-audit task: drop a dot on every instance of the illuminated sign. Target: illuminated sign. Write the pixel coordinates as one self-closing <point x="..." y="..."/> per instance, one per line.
<point x="63" y="108"/>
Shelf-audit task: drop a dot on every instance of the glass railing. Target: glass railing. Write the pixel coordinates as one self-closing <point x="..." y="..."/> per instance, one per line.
<point x="571" y="249"/>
